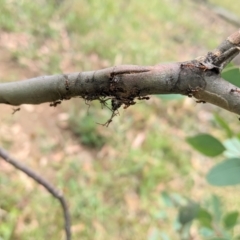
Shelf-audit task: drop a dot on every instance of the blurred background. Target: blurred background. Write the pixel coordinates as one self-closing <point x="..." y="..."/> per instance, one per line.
<point x="114" y="178"/>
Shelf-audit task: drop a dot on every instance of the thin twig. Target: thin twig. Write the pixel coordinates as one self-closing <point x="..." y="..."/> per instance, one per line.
<point x="51" y="189"/>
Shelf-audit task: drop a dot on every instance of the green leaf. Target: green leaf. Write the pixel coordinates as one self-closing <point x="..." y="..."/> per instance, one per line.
<point x="230" y="219"/>
<point x="232" y="148"/>
<point x="217" y="208"/>
<point x="223" y="124"/>
<point x="226" y="173"/>
<point x="188" y="213"/>
<point x="205" y="218"/>
<point x="206" y="144"/>
<point x="173" y="199"/>
<point x="167" y="199"/>
<point x="229" y="65"/>
<point x="206" y="232"/>
<point x="232" y="75"/>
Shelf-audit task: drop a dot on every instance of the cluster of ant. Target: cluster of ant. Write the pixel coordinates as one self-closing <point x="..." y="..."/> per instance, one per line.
<point x="116" y="104"/>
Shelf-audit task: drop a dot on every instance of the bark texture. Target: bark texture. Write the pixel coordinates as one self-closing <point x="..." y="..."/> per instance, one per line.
<point x="200" y="78"/>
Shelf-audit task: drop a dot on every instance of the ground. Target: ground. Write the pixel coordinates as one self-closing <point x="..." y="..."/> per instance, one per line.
<point x="112" y="177"/>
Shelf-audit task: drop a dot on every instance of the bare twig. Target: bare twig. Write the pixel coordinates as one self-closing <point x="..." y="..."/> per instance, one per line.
<point x="40" y="180"/>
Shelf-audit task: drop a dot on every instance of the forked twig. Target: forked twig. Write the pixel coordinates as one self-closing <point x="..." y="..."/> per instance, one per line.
<point x="40" y="180"/>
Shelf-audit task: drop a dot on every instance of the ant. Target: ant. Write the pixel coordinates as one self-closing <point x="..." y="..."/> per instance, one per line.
<point x="54" y="104"/>
<point x="200" y="101"/>
<point x="16" y="110"/>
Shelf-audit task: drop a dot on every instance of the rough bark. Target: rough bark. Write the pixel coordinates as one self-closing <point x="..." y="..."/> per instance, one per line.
<point x="199" y="78"/>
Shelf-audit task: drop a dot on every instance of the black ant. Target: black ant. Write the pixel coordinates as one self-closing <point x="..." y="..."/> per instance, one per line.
<point x="54" y="104"/>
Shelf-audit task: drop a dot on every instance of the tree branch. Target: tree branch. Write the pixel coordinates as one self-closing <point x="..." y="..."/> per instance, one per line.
<point x="51" y="189"/>
<point x="199" y="78"/>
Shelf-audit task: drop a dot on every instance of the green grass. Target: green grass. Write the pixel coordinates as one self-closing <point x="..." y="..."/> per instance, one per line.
<point x="231" y="6"/>
<point x="85" y="128"/>
<point x="147" y="32"/>
<point x="115" y="193"/>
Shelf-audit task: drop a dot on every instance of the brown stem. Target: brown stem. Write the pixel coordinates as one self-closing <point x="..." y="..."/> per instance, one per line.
<point x="40" y="180"/>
